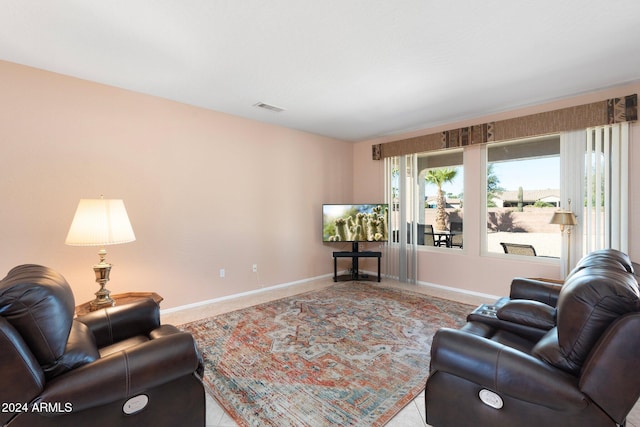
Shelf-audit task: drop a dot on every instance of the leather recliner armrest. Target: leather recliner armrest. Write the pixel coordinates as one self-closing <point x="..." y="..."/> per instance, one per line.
<point x="504" y="370"/>
<point x="528" y="313"/>
<point x="124" y="374"/>
<point x="112" y="324"/>
<point x="534" y="289"/>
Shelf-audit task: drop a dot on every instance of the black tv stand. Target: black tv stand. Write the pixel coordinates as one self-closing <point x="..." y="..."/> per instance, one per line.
<point x="355" y="255"/>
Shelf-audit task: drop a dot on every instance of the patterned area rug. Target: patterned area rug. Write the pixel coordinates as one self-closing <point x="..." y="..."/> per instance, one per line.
<point x="351" y="354"/>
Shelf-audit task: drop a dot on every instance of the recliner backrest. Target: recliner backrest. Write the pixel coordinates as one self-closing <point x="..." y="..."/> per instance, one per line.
<point x="591" y="299"/>
<point x="605" y="257"/>
<point x="39" y="304"/>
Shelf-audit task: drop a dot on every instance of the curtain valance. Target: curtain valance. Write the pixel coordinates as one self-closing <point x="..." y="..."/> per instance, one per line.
<point x="610" y="111"/>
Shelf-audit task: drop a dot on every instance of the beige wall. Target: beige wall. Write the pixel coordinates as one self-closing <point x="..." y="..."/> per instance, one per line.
<point x="468" y="270"/>
<point x="204" y="190"/>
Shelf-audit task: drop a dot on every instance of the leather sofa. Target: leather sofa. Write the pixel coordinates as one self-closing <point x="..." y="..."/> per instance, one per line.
<point x="112" y="367"/>
<point x="549" y="354"/>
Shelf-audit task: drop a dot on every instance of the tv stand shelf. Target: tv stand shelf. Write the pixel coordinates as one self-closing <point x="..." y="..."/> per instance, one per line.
<point x="355" y="256"/>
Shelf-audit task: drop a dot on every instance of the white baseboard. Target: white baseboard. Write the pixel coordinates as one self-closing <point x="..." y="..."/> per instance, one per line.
<point x="465" y="294"/>
<point x="242" y="294"/>
<point x="457" y="294"/>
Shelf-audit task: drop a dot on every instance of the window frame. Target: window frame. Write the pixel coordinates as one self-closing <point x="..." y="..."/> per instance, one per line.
<point x="484" y="159"/>
<point x="420" y="201"/>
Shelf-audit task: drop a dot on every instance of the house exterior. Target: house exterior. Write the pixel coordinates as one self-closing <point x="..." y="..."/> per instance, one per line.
<point x="450" y="202"/>
<point x="508" y="199"/>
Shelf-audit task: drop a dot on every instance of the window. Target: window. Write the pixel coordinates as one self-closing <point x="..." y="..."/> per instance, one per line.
<point x="523" y="191"/>
<point x="440" y="197"/>
<point x="525" y="182"/>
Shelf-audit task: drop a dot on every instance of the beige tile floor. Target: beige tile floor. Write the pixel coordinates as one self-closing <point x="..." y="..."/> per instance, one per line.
<point x="413" y="415"/>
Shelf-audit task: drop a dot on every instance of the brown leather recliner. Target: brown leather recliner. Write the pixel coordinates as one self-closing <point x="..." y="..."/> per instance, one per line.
<point x="113" y="367"/>
<point x="570" y="360"/>
<point x="530" y="308"/>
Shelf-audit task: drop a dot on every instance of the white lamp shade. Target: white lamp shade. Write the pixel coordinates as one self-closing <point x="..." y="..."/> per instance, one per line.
<point x="99" y="222"/>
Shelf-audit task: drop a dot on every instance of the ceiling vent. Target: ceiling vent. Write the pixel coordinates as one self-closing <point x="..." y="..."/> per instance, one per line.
<point x="269" y="107"/>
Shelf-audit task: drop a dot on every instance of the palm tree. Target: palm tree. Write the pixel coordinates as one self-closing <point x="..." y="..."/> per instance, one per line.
<point x="439" y="177"/>
<point x="493" y="186"/>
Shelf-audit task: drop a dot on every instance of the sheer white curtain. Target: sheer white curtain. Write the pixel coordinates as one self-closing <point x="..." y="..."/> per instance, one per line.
<point x="606" y="219"/>
<point x="572" y="145"/>
<point x="595" y="177"/>
<point x="401" y="252"/>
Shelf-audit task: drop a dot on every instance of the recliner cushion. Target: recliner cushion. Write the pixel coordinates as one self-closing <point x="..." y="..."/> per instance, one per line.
<point x="81" y="349"/>
<point x="123" y="345"/>
<point x="589" y="302"/>
<point x="529" y="313"/>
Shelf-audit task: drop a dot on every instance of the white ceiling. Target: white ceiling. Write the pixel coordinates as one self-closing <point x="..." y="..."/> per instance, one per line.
<point x="350" y="69"/>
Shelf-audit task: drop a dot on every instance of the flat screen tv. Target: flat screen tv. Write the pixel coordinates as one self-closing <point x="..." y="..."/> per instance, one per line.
<point x="355" y="222"/>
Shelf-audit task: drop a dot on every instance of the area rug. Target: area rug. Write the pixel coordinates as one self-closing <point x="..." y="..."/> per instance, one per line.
<point x="353" y="354"/>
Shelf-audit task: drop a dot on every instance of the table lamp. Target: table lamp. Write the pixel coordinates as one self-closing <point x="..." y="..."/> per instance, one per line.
<point x="100" y="222"/>
<point x="565" y="219"/>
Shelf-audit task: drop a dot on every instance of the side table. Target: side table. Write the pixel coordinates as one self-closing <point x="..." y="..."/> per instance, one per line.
<point x="121" y="299"/>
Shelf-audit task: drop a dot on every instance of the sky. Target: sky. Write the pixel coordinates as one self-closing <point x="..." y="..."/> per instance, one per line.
<point x="534" y="174"/>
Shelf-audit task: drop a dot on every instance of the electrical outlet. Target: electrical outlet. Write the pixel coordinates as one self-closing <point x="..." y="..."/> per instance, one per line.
<point x="222" y="272"/>
<point x="255" y="268"/>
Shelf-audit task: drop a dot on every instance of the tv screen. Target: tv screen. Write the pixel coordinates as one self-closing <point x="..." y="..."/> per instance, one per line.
<point x="355" y="223"/>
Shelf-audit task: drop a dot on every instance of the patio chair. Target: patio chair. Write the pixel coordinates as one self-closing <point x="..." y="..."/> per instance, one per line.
<point x="518" y="249"/>
<point x="430" y="238"/>
<point x="456" y="234"/>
